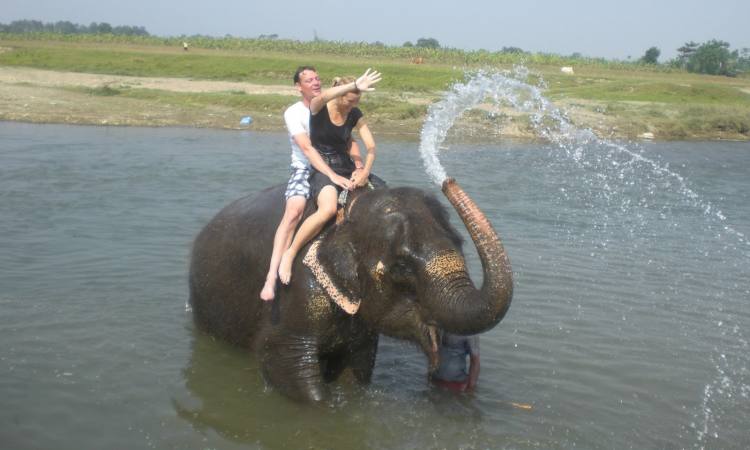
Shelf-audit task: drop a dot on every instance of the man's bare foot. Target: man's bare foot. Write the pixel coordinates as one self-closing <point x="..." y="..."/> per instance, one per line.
<point x="269" y="290"/>
<point x="285" y="267"/>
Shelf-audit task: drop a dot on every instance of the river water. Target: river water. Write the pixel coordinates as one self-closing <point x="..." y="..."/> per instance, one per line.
<point x="628" y="327"/>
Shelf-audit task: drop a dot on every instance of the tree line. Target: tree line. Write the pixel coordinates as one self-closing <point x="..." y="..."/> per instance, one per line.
<point x="65" y="27"/>
<point x="712" y="57"/>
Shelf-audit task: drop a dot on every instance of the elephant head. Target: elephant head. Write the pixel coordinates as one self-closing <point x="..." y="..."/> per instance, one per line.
<point x="398" y="256"/>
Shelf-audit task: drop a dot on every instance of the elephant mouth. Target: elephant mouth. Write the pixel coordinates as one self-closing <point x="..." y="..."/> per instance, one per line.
<point x="426" y="334"/>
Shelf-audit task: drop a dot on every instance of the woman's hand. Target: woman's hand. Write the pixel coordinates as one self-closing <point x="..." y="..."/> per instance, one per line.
<point x="342" y="182"/>
<point x="365" y="82"/>
<point x="359" y="177"/>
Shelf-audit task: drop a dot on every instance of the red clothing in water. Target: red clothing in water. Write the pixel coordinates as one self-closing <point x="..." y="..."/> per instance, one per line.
<point x="453" y="372"/>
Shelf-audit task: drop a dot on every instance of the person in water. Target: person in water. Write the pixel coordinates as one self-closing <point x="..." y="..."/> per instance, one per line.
<point x="333" y="116"/>
<point x="452" y="372"/>
<point x="297" y="119"/>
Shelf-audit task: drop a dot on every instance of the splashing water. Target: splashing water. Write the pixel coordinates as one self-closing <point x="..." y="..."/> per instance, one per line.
<point x="551" y="124"/>
<point x="616" y="174"/>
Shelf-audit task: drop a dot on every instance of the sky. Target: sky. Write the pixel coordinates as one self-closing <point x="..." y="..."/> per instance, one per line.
<point x="603" y="28"/>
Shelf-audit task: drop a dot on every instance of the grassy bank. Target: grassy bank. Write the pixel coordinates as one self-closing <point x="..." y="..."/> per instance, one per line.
<point x="360" y="50"/>
<point x="622" y="100"/>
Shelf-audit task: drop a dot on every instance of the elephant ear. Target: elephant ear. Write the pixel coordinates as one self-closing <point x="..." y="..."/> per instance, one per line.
<point x="333" y="265"/>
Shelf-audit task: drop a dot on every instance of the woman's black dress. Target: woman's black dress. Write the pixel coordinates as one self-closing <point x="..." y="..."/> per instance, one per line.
<point x="332" y="143"/>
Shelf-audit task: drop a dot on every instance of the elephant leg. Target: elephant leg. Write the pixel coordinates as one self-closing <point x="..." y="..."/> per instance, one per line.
<point x="362" y="359"/>
<point x="290" y="364"/>
<point x="332" y="366"/>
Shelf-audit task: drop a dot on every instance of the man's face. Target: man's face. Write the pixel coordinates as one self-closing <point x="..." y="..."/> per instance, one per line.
<point x="309" y="84"/>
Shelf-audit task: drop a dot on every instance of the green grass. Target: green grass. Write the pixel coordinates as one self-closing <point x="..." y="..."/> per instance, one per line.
<point x="359" y="50"/>
<point x="135" y="63"/>
<point x="102" y="91"/>
<point x="232" y="99"/>
<point x="393" y="108"/>
<point x="655" y="91"/>
<point x="715" y="119"/>
<point x="207" y="66"/>
<point x="632" y="98"/>
<point x="593" y="83"/>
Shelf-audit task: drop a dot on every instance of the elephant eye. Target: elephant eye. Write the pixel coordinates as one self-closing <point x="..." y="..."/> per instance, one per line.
<point x="402" y="271"/>
<point x="399" y="266"/>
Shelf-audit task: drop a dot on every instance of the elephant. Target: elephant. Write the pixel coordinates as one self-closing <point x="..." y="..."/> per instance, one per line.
<point x="391" y="264"/>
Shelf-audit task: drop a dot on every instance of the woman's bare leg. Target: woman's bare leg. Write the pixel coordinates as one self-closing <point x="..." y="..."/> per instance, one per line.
<point x="293" y="210"/>
<point x="309" y="229"/>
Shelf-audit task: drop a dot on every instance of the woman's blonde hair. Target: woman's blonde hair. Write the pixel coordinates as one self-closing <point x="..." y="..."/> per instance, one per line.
<point x="338" y="81"/>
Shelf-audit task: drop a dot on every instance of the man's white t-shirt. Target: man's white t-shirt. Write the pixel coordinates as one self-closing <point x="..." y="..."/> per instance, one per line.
<point x="297" y="118"/>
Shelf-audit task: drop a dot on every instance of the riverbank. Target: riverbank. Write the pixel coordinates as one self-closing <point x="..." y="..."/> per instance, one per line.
<point x="54" y="82"/>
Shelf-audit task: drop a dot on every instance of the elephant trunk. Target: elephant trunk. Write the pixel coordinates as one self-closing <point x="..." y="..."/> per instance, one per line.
<point x="463" y="309"/>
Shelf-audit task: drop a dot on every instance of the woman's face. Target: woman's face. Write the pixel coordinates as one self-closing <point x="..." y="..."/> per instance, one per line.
<point x="349" y="100"/>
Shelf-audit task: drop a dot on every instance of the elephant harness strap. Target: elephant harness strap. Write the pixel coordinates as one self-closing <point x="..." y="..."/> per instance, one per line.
<point x="345" y="302"/>
<point x="347" y="199"/>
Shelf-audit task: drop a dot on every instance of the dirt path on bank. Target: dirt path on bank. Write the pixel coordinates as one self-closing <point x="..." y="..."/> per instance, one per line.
<point x="49" y="78"/>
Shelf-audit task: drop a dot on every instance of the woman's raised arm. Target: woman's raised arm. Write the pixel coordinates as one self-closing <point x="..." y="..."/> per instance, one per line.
<point x="363" y="83"/>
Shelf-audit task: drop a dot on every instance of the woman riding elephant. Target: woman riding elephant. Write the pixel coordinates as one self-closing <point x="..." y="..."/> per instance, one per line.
<point x="333" y="116"/>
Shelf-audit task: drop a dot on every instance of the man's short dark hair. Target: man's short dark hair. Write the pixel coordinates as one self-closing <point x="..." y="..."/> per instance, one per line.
<point x="299" y="71"/>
